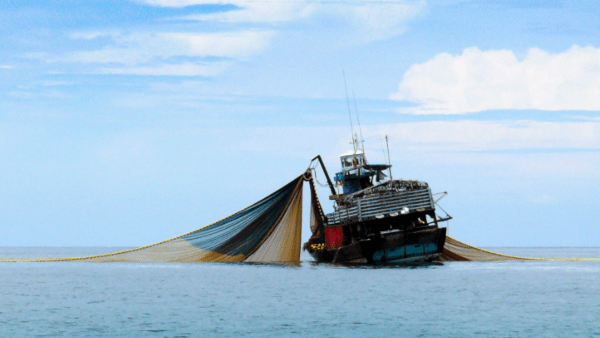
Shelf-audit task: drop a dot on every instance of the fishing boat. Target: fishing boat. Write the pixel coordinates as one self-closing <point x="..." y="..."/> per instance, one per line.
<point x="375" y="219"/>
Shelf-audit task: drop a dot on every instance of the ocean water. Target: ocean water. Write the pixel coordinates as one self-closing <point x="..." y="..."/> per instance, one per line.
<point x="456" y="299"/>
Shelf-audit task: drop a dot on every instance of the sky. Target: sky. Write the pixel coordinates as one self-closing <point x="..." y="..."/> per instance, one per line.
<point x="124" y="123"/>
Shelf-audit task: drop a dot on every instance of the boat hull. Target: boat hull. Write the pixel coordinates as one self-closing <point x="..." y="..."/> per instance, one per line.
<point x="418" y="245"/>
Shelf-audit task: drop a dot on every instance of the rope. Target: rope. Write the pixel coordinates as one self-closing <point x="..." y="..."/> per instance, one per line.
<point x="314" y="170"/>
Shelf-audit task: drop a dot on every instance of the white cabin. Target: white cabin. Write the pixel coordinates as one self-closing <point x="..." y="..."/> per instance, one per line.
<point x="352" y="159"/>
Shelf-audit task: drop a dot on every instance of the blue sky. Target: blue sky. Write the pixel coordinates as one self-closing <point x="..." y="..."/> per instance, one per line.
<point x="129" y="122"/>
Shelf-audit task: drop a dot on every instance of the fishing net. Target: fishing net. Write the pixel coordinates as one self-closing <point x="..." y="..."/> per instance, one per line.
<point x="455" y="250"/>
<point x="316" y="213"/>
<point x="267" y="231"/>
<point x="317" y="220"/>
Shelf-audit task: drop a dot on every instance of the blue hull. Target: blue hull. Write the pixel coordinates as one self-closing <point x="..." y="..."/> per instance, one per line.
<point x="406" y="252"/>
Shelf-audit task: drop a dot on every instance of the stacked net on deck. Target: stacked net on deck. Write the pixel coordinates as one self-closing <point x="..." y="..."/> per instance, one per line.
<point x="267" y="231"/>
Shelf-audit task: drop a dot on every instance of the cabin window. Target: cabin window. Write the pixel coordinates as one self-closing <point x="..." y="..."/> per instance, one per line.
<point x="352" y="161"/>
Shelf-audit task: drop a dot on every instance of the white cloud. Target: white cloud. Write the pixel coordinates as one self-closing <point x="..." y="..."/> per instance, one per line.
<point x="179" y="3"/>
<point x="56" y="83"/>
<point x="251" y="11"/>
<point x="433" y="137"/>
<point x="87" y="35"/>
<point x="484" y="80"/>
<point x="182" y="69"/>
<point x="136" y="48"/>
<point x="35" y="95"/>
<point x="365" y="20"/>
<point x="491" y="135"/>
<point x="377" y="20"/>
<point x="587" y="118"/>
<point x="242" y="34"/>
<point x="158" y="53"/>
<point x="6" y="67"/>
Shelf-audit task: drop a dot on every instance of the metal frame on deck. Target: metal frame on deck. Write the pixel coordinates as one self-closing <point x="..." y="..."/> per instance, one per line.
<point x="385" y="200"/>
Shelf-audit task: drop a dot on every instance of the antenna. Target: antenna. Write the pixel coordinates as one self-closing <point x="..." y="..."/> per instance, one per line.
<point x="389" y="161"/>
<point x="349" y="114"/>
<point x="382" y="149"/>
<point x="362" y="141"/>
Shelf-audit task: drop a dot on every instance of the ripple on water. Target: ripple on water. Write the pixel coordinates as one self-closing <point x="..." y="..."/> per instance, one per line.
<point x="459" y="299"/>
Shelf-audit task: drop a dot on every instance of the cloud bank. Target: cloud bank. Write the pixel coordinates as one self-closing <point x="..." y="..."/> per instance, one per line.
<point x="368" y="14"/>
<point x="244" y="28"/>
<point x="481" y="136"/>
<point x="168" y="53"/>
<point x="248" y="11"/>
<point x="485" y="80"/>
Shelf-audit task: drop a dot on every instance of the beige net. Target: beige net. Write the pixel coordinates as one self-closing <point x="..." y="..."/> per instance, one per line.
<point x="455" y="250"/>
<point x="267" y="231"/>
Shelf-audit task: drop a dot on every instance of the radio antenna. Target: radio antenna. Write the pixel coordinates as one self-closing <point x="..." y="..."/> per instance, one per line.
<point x="362" y="141"/>
<point x="389" y="161"/>
<point x="382" y="148"/>
<point x="349" y="113"/>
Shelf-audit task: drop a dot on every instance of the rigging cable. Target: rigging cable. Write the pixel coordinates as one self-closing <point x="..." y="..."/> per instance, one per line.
<point x="362" y="141"/>
<point x="314" y="170"/>
<point x="349" y="113"/>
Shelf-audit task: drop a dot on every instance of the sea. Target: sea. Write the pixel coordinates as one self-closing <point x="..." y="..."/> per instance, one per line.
<point x="450" y="299"/>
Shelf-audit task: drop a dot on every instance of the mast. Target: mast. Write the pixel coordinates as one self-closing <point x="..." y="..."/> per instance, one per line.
<point x="389" y="161"/>
<point x="362" y="141"/>
<point x="349" y="113"/>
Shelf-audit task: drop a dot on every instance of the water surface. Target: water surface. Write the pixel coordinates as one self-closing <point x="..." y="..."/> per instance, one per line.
<point x="458" y="299"/>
